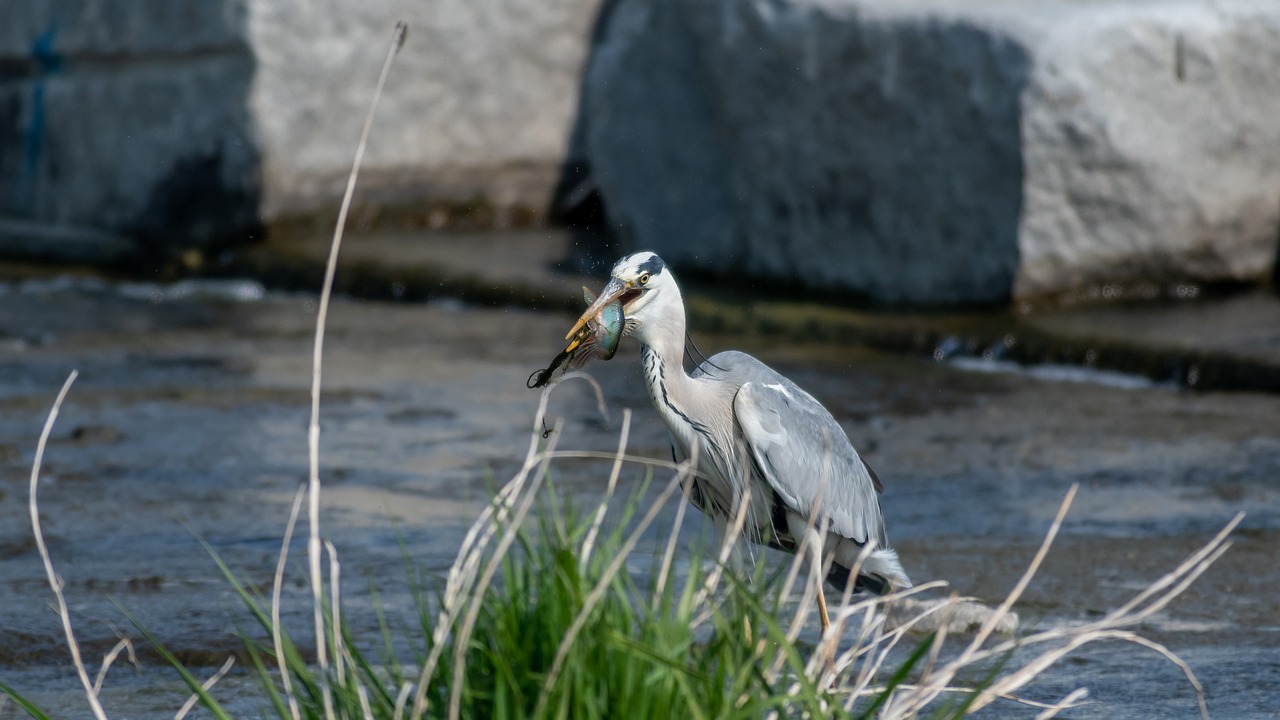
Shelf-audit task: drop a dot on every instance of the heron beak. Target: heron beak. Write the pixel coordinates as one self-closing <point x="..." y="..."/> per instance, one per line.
<point x="612" y="291"/>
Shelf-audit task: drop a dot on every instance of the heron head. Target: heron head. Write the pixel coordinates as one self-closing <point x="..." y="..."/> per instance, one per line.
<point x="640" y="282"/>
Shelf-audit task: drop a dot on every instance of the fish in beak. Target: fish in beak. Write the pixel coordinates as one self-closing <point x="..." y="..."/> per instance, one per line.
<point x="615" y="292"/>
<point x="604" y="329"/>
<point x="595" y="335"/>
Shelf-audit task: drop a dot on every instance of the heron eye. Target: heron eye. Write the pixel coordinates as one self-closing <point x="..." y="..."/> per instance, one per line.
<point x="644" y="279"/>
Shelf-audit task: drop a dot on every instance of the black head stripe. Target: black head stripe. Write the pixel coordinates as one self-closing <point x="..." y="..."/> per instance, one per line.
<point x="653" y="265"/>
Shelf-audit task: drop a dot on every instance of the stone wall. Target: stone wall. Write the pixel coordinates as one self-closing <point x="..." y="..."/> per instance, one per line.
<point x="922" y="151"/>
<point x="480" y="104"/>
<point x="939" y="151"/>
<point x="124" y="124"/>
<point x="151" y="125"/>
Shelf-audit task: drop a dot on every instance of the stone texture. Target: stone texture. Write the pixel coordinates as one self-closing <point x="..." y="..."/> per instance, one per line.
<point x="1152" y="146"/>
<point x="113" y="29"/>
<point x="943" y="151"/>
<point x="173" y="125"/>
<point x="479" y="105"/>
<point x="124" y="127"/>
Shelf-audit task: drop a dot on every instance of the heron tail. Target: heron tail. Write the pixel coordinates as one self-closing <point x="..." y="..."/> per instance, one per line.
<point x="880" y="573"/>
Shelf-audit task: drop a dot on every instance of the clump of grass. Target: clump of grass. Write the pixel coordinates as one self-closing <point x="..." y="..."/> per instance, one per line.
<point x="562" y="630"/>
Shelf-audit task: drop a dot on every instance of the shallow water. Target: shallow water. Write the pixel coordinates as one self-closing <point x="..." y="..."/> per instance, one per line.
<point x="189" y="421"/>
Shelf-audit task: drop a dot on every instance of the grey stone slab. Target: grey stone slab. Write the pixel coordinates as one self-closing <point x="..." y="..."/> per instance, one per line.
<point x="941" y="152"/>
<point x="79" y="30"/>
<point x="479" y="105"/>
<point x="183" y="125"/>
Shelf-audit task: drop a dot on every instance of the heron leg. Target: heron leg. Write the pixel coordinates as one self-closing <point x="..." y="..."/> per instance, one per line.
<point x="822" y="608"/>
<point x="813" y="543"/>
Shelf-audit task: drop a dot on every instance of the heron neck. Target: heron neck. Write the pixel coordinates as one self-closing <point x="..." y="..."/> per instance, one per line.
<point x="670" y="387"/>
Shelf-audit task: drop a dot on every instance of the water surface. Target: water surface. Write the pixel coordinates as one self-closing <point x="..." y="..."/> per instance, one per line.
<point x="189" y="422"/>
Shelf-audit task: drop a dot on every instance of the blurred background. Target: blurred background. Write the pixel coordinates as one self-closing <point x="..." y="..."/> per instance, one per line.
<point x="1011" y="245"/>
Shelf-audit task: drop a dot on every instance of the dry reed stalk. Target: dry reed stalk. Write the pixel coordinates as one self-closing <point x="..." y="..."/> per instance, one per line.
<point x="363" y="694"/>
<point x="335" y="612"/>
<point x="402" y="698"/>
<point x="602" y="455"/>
<point x="1073" y="699"/>
<point x="668" y="555"/>
<point x="939" y="639"/>
<point x="793" y="572"/>
<point x="910" y="700"/>
<point x="871" y="624"/>
<point x="589" y="543"/>
<point x="730" y="535"/>
<point x="461" y="573"/>
<point x="55" y="582"/>
<point x="207" y="685"/>
<point x="277" y="586"/>
<point x="121" y="646"/>
<point x="593" y="598"/>
<point x="313" y="428"/>
<point x="509" y="535"/>
<point x="601" y="405"/>
<point x="1070" y="701"/>
<point x="557" y="516"/>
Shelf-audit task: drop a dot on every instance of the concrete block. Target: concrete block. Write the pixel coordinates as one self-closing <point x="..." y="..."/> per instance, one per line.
<point x="124" y="129"/>
<point x="936" y="151"/>
<point x="188" y="124"/>
<point x="479" y="105"/>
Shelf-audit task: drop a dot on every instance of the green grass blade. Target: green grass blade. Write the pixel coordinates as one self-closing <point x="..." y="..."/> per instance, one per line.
<point x="23" y="703"/>
<point x="192" y="682"/>
<point x="899" y="676"/>
<point x="268" y="682"/>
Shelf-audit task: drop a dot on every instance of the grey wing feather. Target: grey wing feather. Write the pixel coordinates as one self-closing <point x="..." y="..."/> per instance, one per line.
<point x="805" y="456"/>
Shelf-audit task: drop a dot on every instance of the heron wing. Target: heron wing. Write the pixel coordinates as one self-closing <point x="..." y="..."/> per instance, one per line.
<point x="804" y="455"/>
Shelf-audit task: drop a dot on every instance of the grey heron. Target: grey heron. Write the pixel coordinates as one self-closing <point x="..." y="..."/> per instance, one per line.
<point x="757" y="432"/>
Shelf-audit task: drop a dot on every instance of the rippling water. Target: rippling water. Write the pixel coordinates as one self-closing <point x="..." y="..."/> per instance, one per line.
<point x="189" y="421"/>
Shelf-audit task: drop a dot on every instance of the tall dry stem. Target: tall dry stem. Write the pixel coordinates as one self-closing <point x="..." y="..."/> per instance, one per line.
<point x="313" y="430"/>
<point x="589" y="543"/>
<point x="277" y="587"/>
<point x="510" y="533"/>
<point x="55" y="582"/>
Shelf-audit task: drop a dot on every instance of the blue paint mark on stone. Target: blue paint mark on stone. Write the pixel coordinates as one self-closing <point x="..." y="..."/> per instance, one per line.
<point x="49" y="63"/>
<point x="42" y="51"/>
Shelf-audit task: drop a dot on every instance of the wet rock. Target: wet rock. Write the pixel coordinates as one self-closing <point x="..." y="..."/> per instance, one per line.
<point x="957" y="616"/>
<point x="934" y="152"/>
<point x="96" y="434"/>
